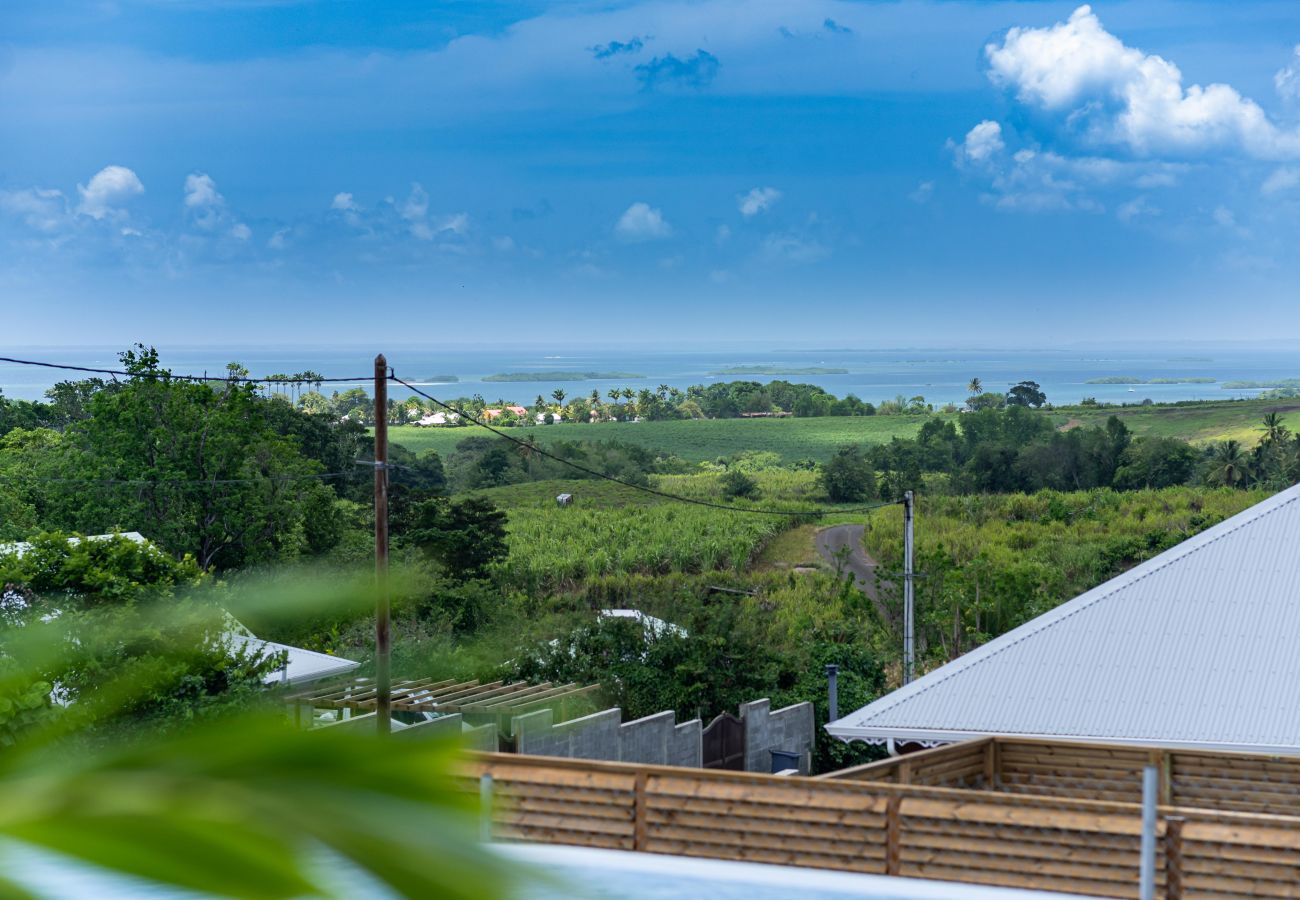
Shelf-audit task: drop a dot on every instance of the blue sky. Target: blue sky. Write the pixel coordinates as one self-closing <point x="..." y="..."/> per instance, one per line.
<point x="874" y="174"/>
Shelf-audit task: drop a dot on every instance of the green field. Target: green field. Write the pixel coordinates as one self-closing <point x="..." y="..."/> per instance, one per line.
<point x="695" y="440"/>
<point x="1199" y="423"/>
<point x="699" y="440"/>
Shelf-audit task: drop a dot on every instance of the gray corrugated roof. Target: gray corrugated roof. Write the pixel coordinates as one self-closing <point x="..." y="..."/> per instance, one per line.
<point x="1199" y="646"/>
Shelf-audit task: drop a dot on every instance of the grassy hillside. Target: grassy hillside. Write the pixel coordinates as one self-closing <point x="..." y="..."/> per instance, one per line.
<point x="1199" y="423"/>
<point x="697" y="440"/>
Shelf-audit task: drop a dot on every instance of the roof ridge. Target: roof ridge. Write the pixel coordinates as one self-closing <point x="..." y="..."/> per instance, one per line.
<point x="1204" y="539"/>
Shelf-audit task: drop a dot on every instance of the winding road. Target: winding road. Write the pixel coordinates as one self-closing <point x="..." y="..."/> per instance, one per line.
<point x="832" y="542"/>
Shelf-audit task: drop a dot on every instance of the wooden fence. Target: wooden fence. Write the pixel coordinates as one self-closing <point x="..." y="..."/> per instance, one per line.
<point x="974" y="836"/>
<point x="1230" y="782"/>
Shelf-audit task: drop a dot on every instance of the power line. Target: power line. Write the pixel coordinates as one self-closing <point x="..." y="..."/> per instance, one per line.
<point x="533" y="448"/>
<point x="161" y="374"/>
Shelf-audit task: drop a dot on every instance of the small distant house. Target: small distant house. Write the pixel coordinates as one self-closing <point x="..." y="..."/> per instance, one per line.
<point x="490" y="414"/>
<point x="517" y="410"/>
<point x="564" y="499"/>
<point x="548" y="418"/>
<point x="438" y="418"/>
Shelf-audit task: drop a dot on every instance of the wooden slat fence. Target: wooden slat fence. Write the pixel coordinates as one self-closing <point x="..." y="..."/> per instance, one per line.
<point x="974" y="836"/>
<point x="1230" y="782"/>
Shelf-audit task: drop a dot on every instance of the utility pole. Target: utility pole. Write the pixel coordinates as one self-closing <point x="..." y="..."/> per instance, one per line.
<point x="383" y="651"/>
<point x="909" y="599"/>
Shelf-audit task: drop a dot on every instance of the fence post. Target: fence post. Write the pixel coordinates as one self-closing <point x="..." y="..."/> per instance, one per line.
<point x="485" y="807"/>
<point x="1174" y="858"/>
<point x="639" y="811"/>
<point x="992" y="764"/>
<point x="893" y="835"/>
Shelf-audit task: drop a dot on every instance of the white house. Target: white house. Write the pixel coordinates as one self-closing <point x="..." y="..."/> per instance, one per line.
<point x="1197" y="648"/>
<point x="439" y="418"/>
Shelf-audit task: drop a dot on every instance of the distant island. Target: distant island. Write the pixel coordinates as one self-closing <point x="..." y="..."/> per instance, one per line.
<point x="560" y="376"/>
<point x="1288" y="383"/>
<point x="1130" y="379"/>
<point x="441" y="379"/>
<point x="778" y="370"/>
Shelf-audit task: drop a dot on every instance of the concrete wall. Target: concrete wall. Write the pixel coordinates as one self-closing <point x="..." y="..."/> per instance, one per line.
<point x="654" y="740"/>
<point x="790" y="729"/>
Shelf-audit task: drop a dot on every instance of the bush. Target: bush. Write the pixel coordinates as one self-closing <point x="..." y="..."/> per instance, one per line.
<point x="848" y="477"/>
<point x="736" y="484"/>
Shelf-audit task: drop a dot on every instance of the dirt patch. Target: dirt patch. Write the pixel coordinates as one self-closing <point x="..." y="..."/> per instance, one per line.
<point x="1070" y="425"/>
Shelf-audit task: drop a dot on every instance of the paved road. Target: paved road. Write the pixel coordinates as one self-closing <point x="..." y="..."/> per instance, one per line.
<point x="831" y="542"/>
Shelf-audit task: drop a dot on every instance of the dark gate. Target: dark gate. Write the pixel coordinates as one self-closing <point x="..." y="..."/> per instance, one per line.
<point x="724" y="743"/>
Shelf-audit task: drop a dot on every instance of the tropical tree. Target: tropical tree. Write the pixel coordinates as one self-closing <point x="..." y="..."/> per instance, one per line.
<point x="1274" y="431"/>
<point x="1228" y="464"/>
<point x="975" y="387"/>
<point x="662" y="391"/>
<point x="558" y="396"/>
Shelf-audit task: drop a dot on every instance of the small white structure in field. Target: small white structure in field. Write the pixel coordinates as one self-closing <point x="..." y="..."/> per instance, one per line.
<point x="563" y="499"/>
<point x="652" y="624"/>
<point x="439" y="418"/>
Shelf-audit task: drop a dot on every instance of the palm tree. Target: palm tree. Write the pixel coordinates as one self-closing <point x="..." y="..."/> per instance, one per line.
<point x="1228" y="464"/>
<point x="975" y="387"/>
<point x="614" y="394"/>
<point x="1274" y="431"/>
<point x="558" y="396"/>
<point x="662" y="391"/>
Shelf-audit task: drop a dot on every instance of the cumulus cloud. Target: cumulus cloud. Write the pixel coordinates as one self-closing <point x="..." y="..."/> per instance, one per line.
<point x="696" y="71"/>
<point x="240" y="232"/>
<point x="642" y="222"/>
<point x="1113" y="95"/>
<point x="343" y="202"/>
<point x="201" y="192"/>
<point x="1287" y="78"/>
<point x="107" y="191"/>
<point x="1283" y="179"/>
<point x="416" y="204"/>
<point x="792" y="248"/>
<point x="1135" y="209"/>
<point x="40" y="209"/>
<point x="757" y="200"/>
<point x="982" y="142"/>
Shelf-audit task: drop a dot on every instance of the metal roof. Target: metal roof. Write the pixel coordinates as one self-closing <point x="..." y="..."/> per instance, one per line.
<point x="1197" y="647"/>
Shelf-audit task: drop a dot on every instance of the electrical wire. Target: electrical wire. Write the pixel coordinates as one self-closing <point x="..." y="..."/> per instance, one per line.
<point x="168" y="375"/>
<point x="637" y="487"/>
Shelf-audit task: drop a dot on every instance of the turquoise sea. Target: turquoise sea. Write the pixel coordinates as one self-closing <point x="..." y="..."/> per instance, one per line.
<point x="940" y="375"/>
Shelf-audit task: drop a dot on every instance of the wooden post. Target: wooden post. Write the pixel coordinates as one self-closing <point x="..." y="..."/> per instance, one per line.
<point x="1166" y="778"/>
<point x="639" y="812"/>
<point x="905" y="772"/>
<point x="992" y="764"/>
<point x="1174" y="858"/>
<point x="383" y="650"/>
<point x="893" y="836"/>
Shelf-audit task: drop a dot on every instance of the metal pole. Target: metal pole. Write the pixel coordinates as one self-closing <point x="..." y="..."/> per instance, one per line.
<point x="833" y="686"/>
<point x="1147" y="864"/>
<point x="485" y="807"/>
<point x="383" y="651"/>
<point x="909" y="604"/>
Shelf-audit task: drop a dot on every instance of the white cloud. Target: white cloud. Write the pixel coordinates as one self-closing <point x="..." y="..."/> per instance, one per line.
<point x="343" y="201"/>
<point x="924" y="191"/>
<point x="792" y="248"/>
<point x="1135" y="209"/>
<point x="416" y="204"/>
<point x="757" y="200"/>
<point x="1287" y="78"/>
<point x="279" y="240"/>
<point x="241" y="232"/>
<point x="642" y="222"/>
<point x="983" y="142"/>
<point x="1114" y="95"/>
<point x="1283" y="179"/>
<point x="503" y="244"/>
<point x="457" y="223"/>
<point x="40" y="209"/>
<point x="201" y="192"/>
<point x="107" y="191"/>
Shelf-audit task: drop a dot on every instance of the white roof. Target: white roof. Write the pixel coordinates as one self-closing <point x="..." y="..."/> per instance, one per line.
<point x="301" y="666"/>
<point x="1198" y="647"/>
<point x="21" y="547"/>
<point x="653" y="624"/>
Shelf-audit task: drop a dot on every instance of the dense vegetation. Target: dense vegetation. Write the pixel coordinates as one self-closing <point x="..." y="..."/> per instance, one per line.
<point x="249" y="490"/>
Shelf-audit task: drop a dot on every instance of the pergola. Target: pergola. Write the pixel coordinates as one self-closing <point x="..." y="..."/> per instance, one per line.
<point x="495" y="701"/>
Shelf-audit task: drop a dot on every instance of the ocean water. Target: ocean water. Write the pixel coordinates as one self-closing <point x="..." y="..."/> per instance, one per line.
<point x="940" y="375"/>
